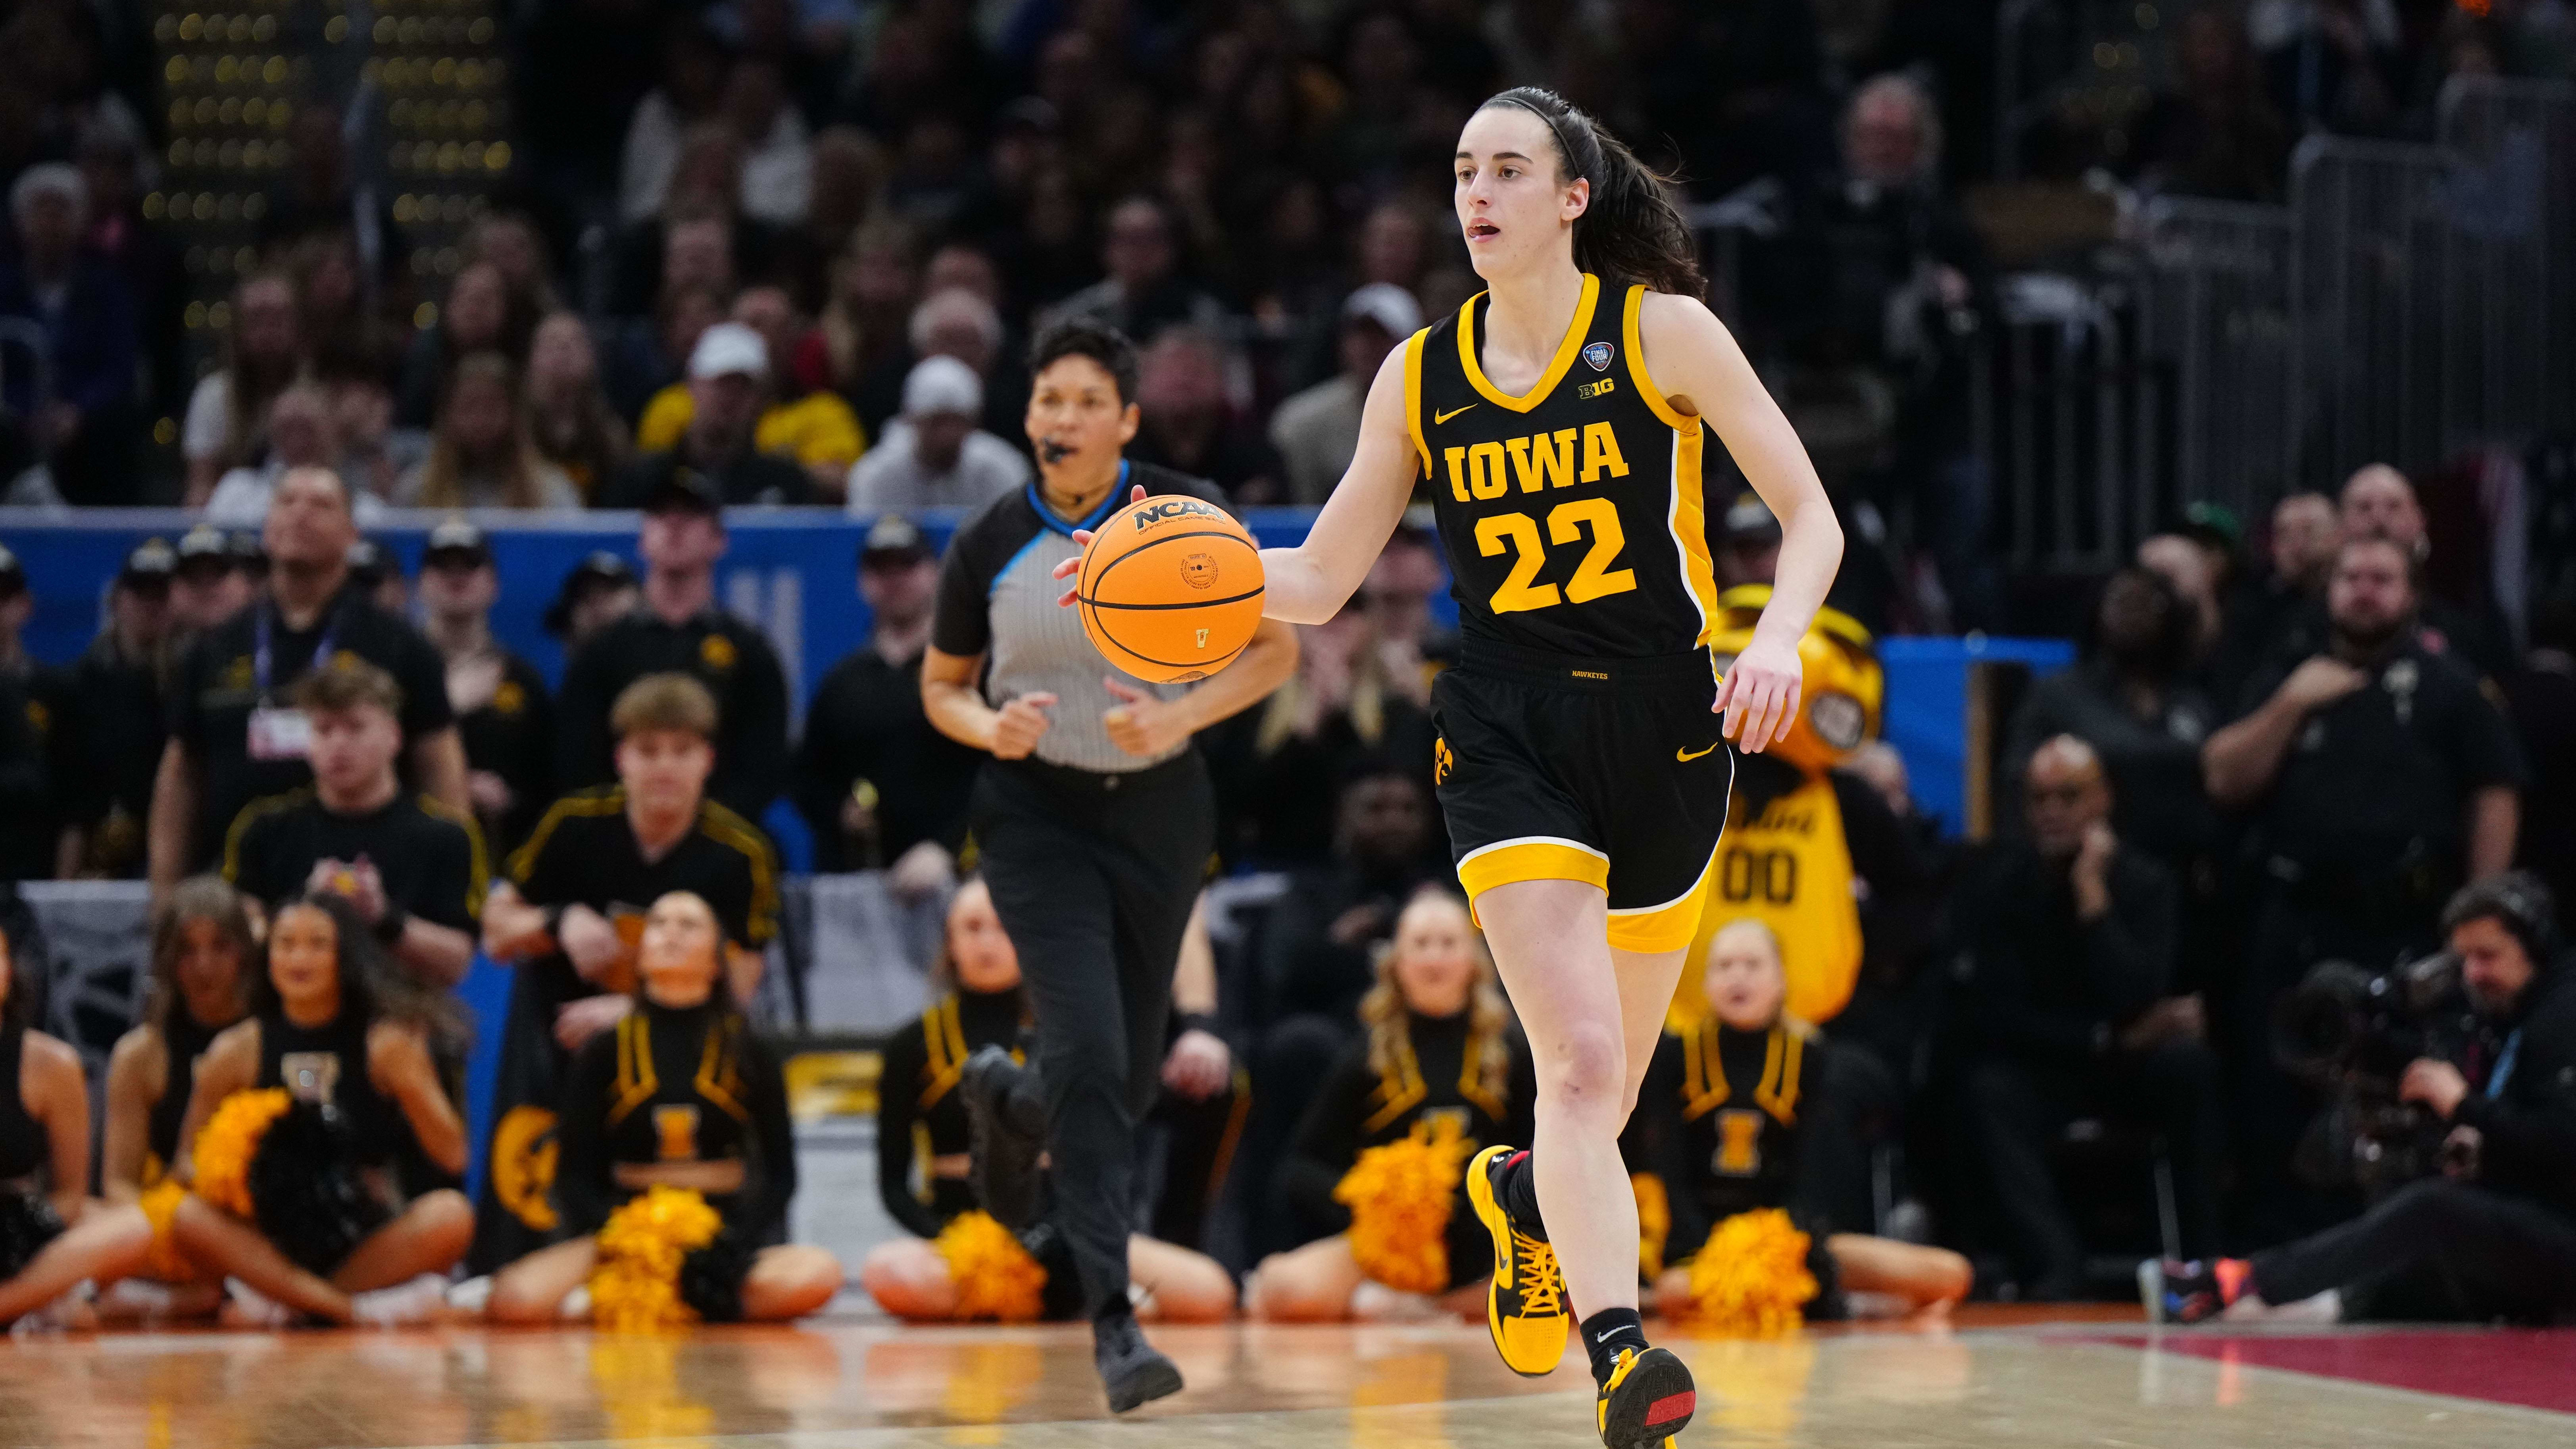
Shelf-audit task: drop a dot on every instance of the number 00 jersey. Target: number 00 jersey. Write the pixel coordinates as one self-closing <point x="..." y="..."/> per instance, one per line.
<point x="1571" y="514"/>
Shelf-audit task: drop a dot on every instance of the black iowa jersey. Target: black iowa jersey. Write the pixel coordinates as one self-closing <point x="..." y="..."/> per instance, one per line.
<point x="1572" y="514"/>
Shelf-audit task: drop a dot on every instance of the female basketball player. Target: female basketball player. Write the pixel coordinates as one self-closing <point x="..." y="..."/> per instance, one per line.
<point x="1559" y="417"/>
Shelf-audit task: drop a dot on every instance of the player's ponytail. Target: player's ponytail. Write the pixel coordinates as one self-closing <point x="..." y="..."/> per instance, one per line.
<point x="1630" y="230"/>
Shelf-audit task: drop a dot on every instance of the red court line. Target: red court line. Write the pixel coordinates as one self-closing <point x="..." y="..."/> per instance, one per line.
<point x="2535" y="1368"/>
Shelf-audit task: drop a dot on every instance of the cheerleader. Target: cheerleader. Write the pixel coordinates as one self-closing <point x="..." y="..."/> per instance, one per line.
<point x="1718" y="1129"/>
<point x="679" y="1100"/>
<point x="202" y="949"/>
<point x="52" y="1236"/>
<point x="923" y="1147"/>
<point x="327" y="1203"/>
<point x="1441" y="1063"/>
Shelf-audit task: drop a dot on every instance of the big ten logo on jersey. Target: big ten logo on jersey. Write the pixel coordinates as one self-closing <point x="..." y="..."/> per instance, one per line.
<point x="310" y="1076"/>
<point x="1166" y="509"/>
<point x="675" y="1133"/>
<point x="1739" y="1143"/>
<point x="1537" y="462"/>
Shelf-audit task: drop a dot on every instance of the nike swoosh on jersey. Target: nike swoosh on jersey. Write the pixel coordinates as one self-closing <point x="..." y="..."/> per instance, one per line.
<point x="1686" y="756"/>
<point x="1438" y="418"/>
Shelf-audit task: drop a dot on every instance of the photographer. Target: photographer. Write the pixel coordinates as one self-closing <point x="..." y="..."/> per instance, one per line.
<point x="2495" y="1235"/>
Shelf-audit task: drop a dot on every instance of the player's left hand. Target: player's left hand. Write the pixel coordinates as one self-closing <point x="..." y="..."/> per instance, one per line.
<point x="1759" y="695"/>
<point x="1082" y="540"/>
<point x="1144" y="724"/>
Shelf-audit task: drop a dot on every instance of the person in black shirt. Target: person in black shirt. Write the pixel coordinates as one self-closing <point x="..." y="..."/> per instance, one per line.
<point x="681" y="630"/>
<point x="727" y="373"/>
<point x="116" y="721"/>
<point x="2065" y="961"/>
<point x="234" y="739"/>
<point x="503" y="710"/>
<point x="1722" y="1125"/>
<point x="1438" y="1046"/>
<point x="412" y="870"/>
<point x="2304" y="534"/>
<point x="213" y="582"/>
<point x="568" y="918"/>
<point x="924" y="1142"/>
<point x="682" y="1095"/>
<point x="878" y="786"/>
<point x="32" y="699"/>
<point x="597" y="592"/>
<point x="333" y="1023"/>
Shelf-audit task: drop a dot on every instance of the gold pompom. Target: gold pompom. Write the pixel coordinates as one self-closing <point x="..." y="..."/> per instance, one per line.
<point x="165" y="1263"/>
<point x="996" y="1278"/>
<point x="1750" y="1279"/>
<point x="1400" y="1196"/>
<point x="228" y="1141"/>
<point x="1654" y="1222"/>
<point x="636" y="1286"/>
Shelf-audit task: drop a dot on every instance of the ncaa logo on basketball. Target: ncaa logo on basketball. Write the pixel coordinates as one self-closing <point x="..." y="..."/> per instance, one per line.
<point x="1598" y="354"/>
<point x="1199" y="571"/>
<point x="1150" y="514"/>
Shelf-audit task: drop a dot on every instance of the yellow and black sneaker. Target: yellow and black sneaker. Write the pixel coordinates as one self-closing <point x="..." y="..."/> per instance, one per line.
<point x="1648" y="1400"/>
<point x="1525" y="1305"/>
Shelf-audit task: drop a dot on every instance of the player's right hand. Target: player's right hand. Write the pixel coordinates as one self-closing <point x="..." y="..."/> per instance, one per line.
<point x="1082" y="540"/>
<point x="1017" y="728"/>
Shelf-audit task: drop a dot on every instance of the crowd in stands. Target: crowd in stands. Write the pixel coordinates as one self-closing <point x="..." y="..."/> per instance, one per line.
<point x="828" y="236"/>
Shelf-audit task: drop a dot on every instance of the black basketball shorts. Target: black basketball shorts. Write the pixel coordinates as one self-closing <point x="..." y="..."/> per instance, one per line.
<point x="1609" y="771"/>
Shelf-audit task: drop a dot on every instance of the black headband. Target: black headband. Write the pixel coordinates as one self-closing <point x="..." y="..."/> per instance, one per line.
<point x="1573" y="158"/>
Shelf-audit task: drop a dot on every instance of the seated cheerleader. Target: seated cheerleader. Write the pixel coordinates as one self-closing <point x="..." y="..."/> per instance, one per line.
<point x="202" y="949"/>
<point x="53" y="1237"/>
<point x="674" y="1122"/>
<point x="923" y="1159"/>
<point x="1441" y="1072"/>
<point x="315" y="1128"/>
<point x="1717" y="1127"/>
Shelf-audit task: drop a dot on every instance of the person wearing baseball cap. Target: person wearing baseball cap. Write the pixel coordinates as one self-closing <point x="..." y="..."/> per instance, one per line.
<point x="815" y="428"/>
<point x="31" y="703"/>
<point x="880" y="788"/>
<point x="504" y="711"/>
<point x="934" y="456"/>
<point x="597" y="592"/>
<point x="209" y="583"/>
<point x="107" y="747"/>
<point x="728" y="379"/>
<point x="1317" y="430"/>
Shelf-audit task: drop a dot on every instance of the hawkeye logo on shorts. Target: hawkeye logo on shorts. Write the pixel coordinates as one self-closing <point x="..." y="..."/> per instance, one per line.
<point x="1598" y="354"/>
<point x="1169" y="509"/>
<point x="1442" y="761"/>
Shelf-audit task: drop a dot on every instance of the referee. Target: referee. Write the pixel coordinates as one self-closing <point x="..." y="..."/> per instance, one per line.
<point x="1094" y="817"/>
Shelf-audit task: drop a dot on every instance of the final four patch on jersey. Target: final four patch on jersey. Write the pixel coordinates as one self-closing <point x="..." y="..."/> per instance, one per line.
<point x="1598" y="354"/>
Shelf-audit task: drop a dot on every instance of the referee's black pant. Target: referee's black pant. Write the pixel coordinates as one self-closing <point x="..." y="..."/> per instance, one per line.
<point x="1093" y="876"/>
<point x="2436" y="1249"/>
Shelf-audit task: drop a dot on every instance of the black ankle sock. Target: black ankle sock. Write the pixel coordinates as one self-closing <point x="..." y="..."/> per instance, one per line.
<point x="1519" y="1192"/>
<point x="1607" y="1332"/>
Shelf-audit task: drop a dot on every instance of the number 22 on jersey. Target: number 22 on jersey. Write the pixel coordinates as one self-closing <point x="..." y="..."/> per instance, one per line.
<point x="1543" y="461"/>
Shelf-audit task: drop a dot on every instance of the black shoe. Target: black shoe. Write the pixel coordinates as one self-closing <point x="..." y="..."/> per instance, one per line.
<point x="1003" y="1166"/>
<point x="2179" y="1292"/>
<point x="1648" y="1400"/>
<point x="1130" y="1368"/>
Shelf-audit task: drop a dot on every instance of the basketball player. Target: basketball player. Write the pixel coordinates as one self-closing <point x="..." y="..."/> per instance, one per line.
<point x="1560" y="418"/>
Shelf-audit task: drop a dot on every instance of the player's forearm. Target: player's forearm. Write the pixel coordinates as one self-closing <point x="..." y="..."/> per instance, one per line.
<point x="1263" y="666"/>
<point x="1811" y="551"/>
<point x="956" y="712"/>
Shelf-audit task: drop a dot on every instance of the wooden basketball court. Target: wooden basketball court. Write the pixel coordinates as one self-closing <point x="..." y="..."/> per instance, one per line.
<point x="1996" y="1381"/>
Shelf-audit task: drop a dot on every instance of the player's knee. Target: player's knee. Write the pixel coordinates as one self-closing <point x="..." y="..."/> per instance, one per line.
<point x="1585" y="1070"/>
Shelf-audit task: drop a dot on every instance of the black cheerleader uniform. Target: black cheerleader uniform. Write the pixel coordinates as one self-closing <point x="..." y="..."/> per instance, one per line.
<point x="327" y="1066"/>
<point x="1719" y="1121"/>
<point x="1437" y="1073"/>
<point x="920" y="1118"/>
<point x="183" y="1040"/>
<point x="27" y="1218"/>
<point x="672" y="1086"/>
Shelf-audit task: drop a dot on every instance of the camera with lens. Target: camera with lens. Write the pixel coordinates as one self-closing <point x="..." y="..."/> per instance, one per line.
<point x="2351" y="1033"/>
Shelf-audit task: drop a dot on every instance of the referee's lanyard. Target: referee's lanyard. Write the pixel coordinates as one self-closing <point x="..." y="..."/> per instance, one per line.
<point x="275" y="733"/>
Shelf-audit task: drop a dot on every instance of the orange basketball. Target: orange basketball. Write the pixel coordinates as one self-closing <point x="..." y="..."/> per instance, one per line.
<point x="1170" y="589"/>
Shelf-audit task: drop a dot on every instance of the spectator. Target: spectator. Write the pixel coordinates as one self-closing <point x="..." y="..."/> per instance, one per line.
<point x="112" y="165"/>
<point x="87" y="314"/>
<point x="211" y="584"/>
<point x="727" y="371"/>
<point x="692" y="91"/>
<point x="300" y="436"/>
<point x="813" y="427"/>
<point x="2216" y="134"/>
<point x="778" y="155"/>
<point x="233" y="738"/>
<point x="1317" y="430"/>
<point x="2065" y="960"/>
<point x="321" y="192"/>
<point x="482" y="314"/>
<point x="504" y="713"/>
<point x="227" y="418"/>
<point x="2376" y="777"/>
<point x="958" y="321"/>
<point x="849" y="170"/>
<point x="679" y="629"/>
<point x="374" y="454"/>
<point x="117" y="721"/>
<point x="509" y="243"/>
<point x="482" y="456"/>
<point x="1144" y="291"/>
<point x="2186" y="569"/>
<point x="569" y="419"/>
<point x="331" y="299"/>
<point x="673" y="249"/>
<point x="28" y="692"/>
<point x="2305" y="531"/>
<point x="599" y="591"/>
<point x="934" y="455"/>
<point x="879" y="788"/>
<point x="862" y="330"/>
<point x="411" y="870"/>
<point x="2379" y="502"/>
<point x="376" y="574"/>
<point x="1186" y="424"/>
<point x="650" y="355"/>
